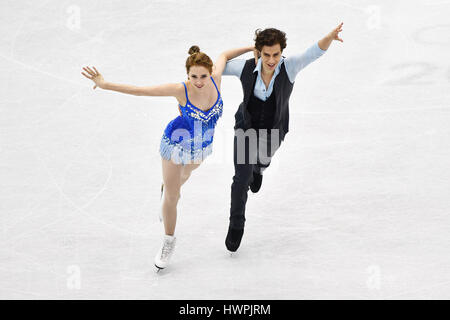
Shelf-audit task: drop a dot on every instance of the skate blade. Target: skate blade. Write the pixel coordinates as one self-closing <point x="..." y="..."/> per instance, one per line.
<point x="232" y="253"/>
<point x="158" y="269"/>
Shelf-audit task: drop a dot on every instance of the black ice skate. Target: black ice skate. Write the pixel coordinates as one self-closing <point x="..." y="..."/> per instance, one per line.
<point x="233" y="239"/>
<point x="255" y="185"/>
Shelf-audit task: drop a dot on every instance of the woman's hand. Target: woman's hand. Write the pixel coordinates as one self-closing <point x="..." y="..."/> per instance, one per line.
<point x="94" y="76"/>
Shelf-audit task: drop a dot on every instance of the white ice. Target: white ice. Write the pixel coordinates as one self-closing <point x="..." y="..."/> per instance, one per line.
<point x="355" y="204"/>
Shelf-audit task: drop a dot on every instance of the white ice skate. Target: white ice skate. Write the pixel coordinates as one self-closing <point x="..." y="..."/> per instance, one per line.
<point x="165" y="252"/>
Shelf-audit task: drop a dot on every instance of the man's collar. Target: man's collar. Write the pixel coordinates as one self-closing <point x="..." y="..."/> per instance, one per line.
<point x="258" y="66"/>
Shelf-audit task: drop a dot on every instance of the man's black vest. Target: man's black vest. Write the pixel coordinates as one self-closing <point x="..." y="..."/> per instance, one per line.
<point x="282" y="89"/>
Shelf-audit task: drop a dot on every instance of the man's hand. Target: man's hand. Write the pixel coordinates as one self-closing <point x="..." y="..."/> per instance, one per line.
<point x="334" y="35"/>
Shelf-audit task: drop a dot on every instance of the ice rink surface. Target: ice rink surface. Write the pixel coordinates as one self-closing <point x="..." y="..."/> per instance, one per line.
<point x="354" y="206"/>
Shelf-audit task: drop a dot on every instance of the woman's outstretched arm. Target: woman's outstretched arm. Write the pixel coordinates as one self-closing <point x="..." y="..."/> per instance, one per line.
<point x="162" y="90"/>
<point x="169" y="89"/>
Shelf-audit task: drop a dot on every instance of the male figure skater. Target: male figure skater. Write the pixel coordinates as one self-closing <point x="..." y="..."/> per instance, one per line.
<point x="262" y="119"/>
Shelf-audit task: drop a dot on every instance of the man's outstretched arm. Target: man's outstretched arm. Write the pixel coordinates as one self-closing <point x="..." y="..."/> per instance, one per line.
<point x="297" y="62"/>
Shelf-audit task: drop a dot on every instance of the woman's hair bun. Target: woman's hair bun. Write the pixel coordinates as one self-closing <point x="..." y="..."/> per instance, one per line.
<point x="194" y="49"/>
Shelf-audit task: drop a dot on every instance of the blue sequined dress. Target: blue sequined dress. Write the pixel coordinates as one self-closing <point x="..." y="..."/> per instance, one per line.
<point x="188" y="138"/>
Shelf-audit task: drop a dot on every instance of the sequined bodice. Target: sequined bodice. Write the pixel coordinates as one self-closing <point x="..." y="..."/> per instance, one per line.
<point x="208" y="118"/>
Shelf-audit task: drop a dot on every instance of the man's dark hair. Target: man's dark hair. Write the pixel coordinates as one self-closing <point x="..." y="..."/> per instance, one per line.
<point x="269" y="37"/>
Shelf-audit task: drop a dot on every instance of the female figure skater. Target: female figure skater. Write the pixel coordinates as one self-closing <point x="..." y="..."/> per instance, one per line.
<point x="188" y="138"/>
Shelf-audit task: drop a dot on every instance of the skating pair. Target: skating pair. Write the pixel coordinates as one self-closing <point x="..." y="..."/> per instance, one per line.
<point x="267" y="81"/>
